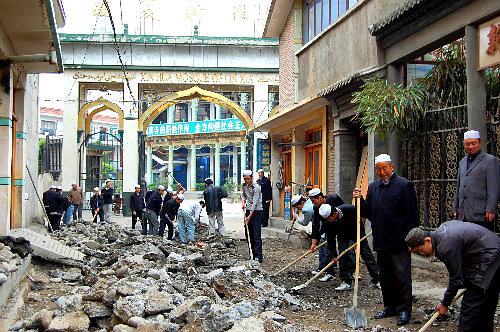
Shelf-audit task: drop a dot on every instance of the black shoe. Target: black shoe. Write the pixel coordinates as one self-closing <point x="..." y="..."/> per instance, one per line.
<point x="386" y="312"/>
<point x="403" y="318"/>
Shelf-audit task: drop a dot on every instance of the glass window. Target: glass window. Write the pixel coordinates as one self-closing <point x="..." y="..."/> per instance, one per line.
<point x="334" y="10"/>
<point x="203" y="111"/>
<point x="318" y="17"/>
<point x="317" y="167"/>
<point x="181" y="112"/>
<point x="342" y="7"/>
<point x="325" y="14"/>
<point x="352" y="3"/>
<point x="305" y="24"/>
<point x="317" y="136"/>
<point x="311" y="21"/>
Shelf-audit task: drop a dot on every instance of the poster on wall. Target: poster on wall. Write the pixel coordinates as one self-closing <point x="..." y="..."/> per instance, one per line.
<point x="286" y="210"/>
<point x="489" y="44"/>
<point x="264" y="154"/>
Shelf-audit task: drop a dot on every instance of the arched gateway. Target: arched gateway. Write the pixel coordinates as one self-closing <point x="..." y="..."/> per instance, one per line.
<point x="204" y="135"/>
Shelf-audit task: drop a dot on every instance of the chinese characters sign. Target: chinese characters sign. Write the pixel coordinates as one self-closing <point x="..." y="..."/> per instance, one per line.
<point x="264" y="154"/>
<point x="195" y="127"/>
<point x="489" y="44"/>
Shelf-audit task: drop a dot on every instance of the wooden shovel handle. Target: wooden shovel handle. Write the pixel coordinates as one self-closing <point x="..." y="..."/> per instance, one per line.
<point x="298" y="259"/>
<point x="358" y="252"/>
<point x="436" y="314"/>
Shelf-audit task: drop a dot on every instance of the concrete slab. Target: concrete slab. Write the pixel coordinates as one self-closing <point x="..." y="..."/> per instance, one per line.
<point x="46" y="247"/>
<point x="13" y="280"/>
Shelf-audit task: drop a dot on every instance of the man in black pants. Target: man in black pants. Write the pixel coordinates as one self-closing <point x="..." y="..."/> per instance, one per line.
<point x="391" y="207"/>
<point x="137" y="205"/>
<point x="167" y="215"/>
<point x="267" y="192"/>
<point x="153" y="207"/>
<point x="251" y="200"/>
<point x="344" y="221"/>
<point x="471" y="253"/>
<point x="96" y="205"/>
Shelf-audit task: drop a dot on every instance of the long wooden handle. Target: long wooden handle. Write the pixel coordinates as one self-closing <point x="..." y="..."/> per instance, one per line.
<point x="248" y="237"/>
<point x="436" y="314"/>
<point x="335" y="260"/>
<point x="307" y="253"/>
<point x="358" y="252"/>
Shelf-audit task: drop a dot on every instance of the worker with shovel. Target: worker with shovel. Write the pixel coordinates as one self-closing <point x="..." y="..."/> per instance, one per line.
<point x="471" y="253"/>
<point x="391" y="207"/>
<point x="343" y="219"/>
<point x="252" y="205"/>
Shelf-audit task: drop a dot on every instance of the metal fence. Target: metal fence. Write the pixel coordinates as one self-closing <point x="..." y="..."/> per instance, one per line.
<point x="51" y="157"/>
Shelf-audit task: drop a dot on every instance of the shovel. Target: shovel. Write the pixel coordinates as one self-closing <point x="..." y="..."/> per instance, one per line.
<point x="298" y="259"/>
<point x="354" y="316"/>
<point x="252" y="263"/>
<point x="436" y="314"/>
<point x="317" y="275"/>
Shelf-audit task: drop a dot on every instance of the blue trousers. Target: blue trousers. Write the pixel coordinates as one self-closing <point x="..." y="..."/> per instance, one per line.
<point x="185" y="221"/>
<point x="68" y="214"/>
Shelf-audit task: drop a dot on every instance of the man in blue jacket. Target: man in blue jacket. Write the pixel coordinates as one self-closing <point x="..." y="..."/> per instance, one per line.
<point x="153" y="207"/>
<point x="391" y="207"/>
<point x="471" y="253"/>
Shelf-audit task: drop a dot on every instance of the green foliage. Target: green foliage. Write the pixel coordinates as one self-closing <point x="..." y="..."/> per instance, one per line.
<point x="41" y="146"/>
<point x="492" y="87"/>
<point x="200" y="186"/>
<point x="108" y="170"/>
<point x="384" y="108"/>
<point x="229" y="186"/>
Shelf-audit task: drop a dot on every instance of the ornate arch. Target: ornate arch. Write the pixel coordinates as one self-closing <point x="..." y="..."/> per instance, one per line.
<point x="195" y="92"/>
<point x="102" y="104"/>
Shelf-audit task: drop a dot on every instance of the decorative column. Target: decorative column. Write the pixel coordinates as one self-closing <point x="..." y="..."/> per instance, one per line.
<point x="170" y="114"/>
<point x="217" y="112"/>
<point x="170" y="163"/>
<point x="149" y="164"/>
<point x="476" y="87"/>
<point x="70" y="162"/>
<point x="18" y="177"/>
<point x="235" y="164"/>
<point x="217" y="165"/>
<point x="192" y="167"/>
<point x="6" y="138"/>
<point x="194" y="110"/>
<point x="243" y="146"/>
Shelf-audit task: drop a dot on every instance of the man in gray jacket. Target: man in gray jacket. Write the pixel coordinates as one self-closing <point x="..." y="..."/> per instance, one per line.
<point x="213" y="196"/>
<point x="478" y="184"/>
<point x="471" y="253"/>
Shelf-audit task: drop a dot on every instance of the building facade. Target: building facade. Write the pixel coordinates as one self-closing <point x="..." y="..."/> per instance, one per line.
<point x="28" y="45"/>
<point x="329" y="47"/>
<point x="185" y="104"/>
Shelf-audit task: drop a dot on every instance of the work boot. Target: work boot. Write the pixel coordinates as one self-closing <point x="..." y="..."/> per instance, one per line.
<point x="343" y="287"/>
<point x="386" y="312"/>
<point x="403" y="318"/>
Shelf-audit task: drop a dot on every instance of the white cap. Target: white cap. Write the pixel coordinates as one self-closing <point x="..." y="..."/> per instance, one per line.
<point x="137" y="186"/>
<point x="314" y="192"/>
<point x="472" y="134"/>
<point x="325" y="210"/>
<point x="74" y="184"/>
<point x="53" y="186"/>
<point x="260" y="171"/>
<point x="181" y="197"/>
<point x="170" y="190"/>
<point x="96" y="189"/>
<point x="59" y="187"/>
<point x="160" y="187"/>
<point x="382" y="158"/>
<point x="247" y="172"/>
<point x="295" y="199"/>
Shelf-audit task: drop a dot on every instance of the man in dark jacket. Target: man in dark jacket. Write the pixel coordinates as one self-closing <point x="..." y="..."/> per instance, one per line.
<point x="267" y="194"/>
<point x="471" y="253"/>
<point x="54" y="207"/>
<point x="96" y="205"/>
<point x="153" y="207"/>
<point x="107" y="197"/>
<point x="213" y="199"/>
<point x="319" y="231"/>
<point x="344" y="222"/>
<point x="391" y="207"/>
<point x="137" y="205"/>
<point x="167" y="215"/>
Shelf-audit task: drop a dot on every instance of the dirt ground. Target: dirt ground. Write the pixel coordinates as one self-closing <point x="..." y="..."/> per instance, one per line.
<point x="327" y="312"/>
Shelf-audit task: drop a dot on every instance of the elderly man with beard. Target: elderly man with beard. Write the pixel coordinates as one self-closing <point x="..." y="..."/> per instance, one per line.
<point x="391" y="207"/>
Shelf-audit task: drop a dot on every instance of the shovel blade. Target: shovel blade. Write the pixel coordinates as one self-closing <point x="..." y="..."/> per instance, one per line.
<point x="297" y="288"/>
<point x="355" y="317"/>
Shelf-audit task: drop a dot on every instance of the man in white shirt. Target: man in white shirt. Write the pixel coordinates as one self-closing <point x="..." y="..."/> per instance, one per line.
<point x="188" y="214"/>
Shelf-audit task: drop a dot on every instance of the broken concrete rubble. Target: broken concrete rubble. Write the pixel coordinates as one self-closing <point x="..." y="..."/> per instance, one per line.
<point x="131" y="282"/>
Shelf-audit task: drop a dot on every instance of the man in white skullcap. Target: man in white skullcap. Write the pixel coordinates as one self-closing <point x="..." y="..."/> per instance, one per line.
<point x="153" y="207"/>
<point x="267" y="194"/>
<point x="478" y="184"/>
<point x="391" y="207"/>
<point x="96" y="206"/>
<point x="251" y="199"/>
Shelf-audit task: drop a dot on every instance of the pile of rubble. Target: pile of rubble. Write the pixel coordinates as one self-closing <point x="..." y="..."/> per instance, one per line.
<point x="12" y="252"/>
<point x="131" y="282"/>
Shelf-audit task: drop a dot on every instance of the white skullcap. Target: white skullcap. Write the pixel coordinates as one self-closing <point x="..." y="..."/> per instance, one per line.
<point x="247" y="172"/>
<point x="137" y="186"/>
<point x="108" y="180"/>
<point x="96" y="189"/>
<point x="260" y="171"/>
<point x="382" y="158"/>
<point x="53" y="187"/>
<point x="170" y="190"/>
<point x="74" y="184"/>
<point x="314" y="192"/>
<point x="325" y="210"/>
<point x="59" y="187"/>
<point x="472" y="134"/>
<point x="160" y="187"/>
<point x="181" y="197"/>
<point x="295" y="199"/>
